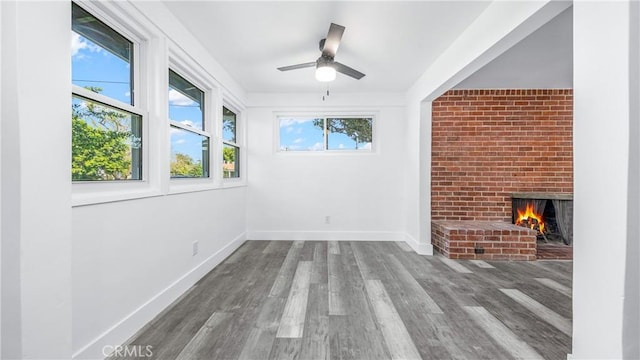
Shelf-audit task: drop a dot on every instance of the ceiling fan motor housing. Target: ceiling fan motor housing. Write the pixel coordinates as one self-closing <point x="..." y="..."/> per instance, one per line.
<point x="324" y="60"/>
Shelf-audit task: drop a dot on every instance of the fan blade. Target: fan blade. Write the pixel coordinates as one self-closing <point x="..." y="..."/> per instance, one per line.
<point x="298" y="66"/>
<point x="333" y="40"/>
<point x="342" y="68"/>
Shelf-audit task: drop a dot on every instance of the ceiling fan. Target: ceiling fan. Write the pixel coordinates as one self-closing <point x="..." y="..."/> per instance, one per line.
<point x="326" y="66"/>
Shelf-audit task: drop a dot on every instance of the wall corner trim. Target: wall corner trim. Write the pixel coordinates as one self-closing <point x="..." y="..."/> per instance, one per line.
<point x="419" y="248"/>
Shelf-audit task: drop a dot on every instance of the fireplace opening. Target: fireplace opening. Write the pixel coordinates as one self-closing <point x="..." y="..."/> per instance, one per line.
<point x="551" y="215"/>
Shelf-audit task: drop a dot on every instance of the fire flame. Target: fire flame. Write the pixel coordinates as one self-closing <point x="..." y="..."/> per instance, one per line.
<point x="527" y="214"/>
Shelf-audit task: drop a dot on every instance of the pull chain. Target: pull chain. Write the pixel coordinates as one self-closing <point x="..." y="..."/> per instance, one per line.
<point x="327" y="95"/>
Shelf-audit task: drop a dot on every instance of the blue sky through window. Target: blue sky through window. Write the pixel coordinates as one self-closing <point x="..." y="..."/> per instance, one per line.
<point x="227" y="135"/>
<point x="94" y="66"/>
<point x="189" y="113"/>
<point x="339" y="141"/>
<point x="185" y="142"/>
<point x="188" y="143"/>
<point x="229" y="122"/>
<point x="299" y="134"/>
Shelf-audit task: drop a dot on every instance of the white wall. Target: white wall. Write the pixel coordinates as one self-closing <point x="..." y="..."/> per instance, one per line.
<point x="291" y="193"/>
<point x="12" y="333"/>
<point x="0" y="176"/>
<point x="631" y="304"/>
<point x="417" y="175"/>
<point x="604" y="81"/>
<point x="36" y="192"/>
<point x="132" y="258"/>
<point x="542" y="60"/>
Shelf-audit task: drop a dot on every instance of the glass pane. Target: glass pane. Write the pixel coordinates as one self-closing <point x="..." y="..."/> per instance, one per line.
<point x="349" y="133"/>
<point x="231" y="161"/>
<point x="189" y="154"/>
<point x="186" y="102"/>
<point x="106" y="142"/>
<point x="301" y="134"/>
<point x="101" y="58"/>
<point x="228" y="125"/>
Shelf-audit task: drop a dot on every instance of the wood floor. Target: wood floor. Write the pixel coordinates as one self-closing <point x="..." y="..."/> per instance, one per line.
<point x="554" y="251"/>
<point x="366" y="300"/>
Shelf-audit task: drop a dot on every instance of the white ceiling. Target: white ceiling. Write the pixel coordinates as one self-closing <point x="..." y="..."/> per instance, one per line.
<point x="544" y="59"/>
<point x="392" y="42"/>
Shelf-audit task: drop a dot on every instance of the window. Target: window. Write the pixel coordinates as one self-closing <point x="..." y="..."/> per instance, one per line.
<point x="325" y="133"/>
<point x="145" y="113"/>
<point x="106" y="119"/>
<point x="230" y="148"/>
<point x="189" y="140"/>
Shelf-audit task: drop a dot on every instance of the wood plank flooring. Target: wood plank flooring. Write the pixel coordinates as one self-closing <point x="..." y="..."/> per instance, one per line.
<point x="365" y="300"/>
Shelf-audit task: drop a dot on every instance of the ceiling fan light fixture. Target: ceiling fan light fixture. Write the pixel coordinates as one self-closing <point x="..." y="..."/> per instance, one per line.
<point x="325" y="73"/>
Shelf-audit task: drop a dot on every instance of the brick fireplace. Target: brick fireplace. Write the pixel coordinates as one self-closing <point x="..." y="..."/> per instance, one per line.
<point x="489" y="144"/>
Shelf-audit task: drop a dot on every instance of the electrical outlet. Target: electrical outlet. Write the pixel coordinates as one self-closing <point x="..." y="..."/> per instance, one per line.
<point x="327" y="219"/>
<point x="194" y="250"/>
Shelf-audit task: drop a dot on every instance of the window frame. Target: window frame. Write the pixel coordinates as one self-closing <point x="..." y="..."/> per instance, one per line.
<point x="206" y="122"/>
<point x="118" y="18"/>
<point x="183" y="65"/>
<point x="237" y="144"/>
<point x="325" y="115"/>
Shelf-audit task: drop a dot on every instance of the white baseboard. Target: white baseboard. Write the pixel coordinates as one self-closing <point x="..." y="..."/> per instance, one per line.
<point x="419" y="248"/>
<point x="130" y="324"/>
<point x="327" y="235"/>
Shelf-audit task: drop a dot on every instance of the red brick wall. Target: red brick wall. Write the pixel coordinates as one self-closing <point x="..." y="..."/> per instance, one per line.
<point x="487" y="144"/>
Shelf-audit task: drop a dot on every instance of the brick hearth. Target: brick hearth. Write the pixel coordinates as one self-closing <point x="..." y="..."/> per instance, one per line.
<point x="461" y="239"/>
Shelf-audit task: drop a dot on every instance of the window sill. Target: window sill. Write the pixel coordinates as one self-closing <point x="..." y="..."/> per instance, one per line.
<point x="233" y="182"/>
<point x="328" y="152"/>
<point x="97" y="197"/>
<point x="181" y="186"/>
<point x="87" y="194"/>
